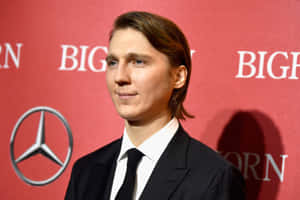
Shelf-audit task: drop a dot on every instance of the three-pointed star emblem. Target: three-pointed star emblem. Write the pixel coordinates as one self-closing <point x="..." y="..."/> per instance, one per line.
<point x="40" y="145"/>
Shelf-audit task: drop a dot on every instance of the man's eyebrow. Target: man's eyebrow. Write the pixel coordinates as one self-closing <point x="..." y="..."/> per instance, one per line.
<point x="138" y="55"/>
<point x="110" y="57"/>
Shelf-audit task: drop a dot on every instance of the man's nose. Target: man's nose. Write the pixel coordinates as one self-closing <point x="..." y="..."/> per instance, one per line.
<point x="122" y="75"/>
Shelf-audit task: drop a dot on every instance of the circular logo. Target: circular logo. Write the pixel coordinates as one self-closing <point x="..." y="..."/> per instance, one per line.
<point x="40" y="145"/>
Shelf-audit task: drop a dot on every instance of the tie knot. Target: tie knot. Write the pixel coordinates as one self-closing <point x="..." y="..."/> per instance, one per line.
<point x="134" y="157"/>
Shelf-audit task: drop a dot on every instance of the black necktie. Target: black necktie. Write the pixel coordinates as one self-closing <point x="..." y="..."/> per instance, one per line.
<point x="126" y="190"/>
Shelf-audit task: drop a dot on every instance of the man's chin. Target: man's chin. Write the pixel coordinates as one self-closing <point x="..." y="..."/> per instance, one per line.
<point x="133" y="119"/>
<point x="128" y="116"/>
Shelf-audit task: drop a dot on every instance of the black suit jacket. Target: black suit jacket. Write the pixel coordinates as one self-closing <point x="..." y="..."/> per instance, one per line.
<point x="187" y="170"/>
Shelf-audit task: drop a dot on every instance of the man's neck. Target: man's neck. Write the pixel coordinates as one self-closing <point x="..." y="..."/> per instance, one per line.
<point x="139" y="132"/>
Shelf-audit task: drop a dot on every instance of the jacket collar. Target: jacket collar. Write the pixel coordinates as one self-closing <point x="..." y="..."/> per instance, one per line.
<point x="108" y="154"/>
<point x="170" y="169"/>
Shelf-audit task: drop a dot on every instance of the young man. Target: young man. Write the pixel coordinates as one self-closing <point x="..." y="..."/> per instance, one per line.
<point x="148" y="72"/>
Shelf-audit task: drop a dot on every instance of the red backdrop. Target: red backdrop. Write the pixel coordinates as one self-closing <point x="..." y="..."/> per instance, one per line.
<point x="244" y="88"/>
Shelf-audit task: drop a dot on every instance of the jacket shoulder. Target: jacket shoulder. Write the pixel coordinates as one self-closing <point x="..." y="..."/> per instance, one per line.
<point x="205" y="162"/>
<point x="102" y="155"/>
<point x="200" y="154"/>
<point x="216" y="178"/>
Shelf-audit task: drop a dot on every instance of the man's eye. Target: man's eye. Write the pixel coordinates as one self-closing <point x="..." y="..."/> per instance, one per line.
<point x="112" y="63"/>
<point x="138" y="62"/>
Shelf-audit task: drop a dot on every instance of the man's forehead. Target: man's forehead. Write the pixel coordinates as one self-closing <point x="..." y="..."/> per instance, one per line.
<point x="132" y="48"/>
<point x="131" y="43"/>
<point x="129" y="40"/>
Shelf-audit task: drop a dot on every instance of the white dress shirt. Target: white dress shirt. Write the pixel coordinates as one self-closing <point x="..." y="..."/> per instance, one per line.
<point x="152" y="148"/>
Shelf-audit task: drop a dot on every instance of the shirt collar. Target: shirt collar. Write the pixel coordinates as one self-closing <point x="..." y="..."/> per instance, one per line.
<point x="159" y="140"/>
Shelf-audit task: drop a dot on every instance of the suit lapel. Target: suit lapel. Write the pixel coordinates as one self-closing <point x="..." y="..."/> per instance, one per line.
<point x="110" y="181"/>
<point x="170" y="170"/>
<point x="96" y="184"/>
<point x="102" y="172"/>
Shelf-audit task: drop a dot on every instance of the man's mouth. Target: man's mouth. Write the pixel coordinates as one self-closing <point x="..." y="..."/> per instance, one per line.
<point x="126" y="95"/>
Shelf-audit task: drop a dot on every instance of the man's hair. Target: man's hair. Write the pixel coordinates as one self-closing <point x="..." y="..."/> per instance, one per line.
<point x="167" y="38"/>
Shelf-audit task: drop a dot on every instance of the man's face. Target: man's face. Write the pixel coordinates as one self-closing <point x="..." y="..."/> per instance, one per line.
<point x="138" y="77"/>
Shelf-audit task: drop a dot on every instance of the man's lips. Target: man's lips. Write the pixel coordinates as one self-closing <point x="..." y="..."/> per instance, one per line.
<point x="126" y="95"/>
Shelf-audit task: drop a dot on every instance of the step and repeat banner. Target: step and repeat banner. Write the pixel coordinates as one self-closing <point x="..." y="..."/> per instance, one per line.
<point x="55" y="108"/>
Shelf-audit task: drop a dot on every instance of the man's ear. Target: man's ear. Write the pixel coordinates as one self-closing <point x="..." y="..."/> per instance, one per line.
<point x="180" y="76"/>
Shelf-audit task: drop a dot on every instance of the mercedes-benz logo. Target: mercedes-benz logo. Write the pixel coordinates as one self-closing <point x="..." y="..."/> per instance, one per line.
<point x="40" y="145"/>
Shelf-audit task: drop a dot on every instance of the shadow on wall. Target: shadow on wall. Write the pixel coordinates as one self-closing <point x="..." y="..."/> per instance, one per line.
<point x="251" y="141"/>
